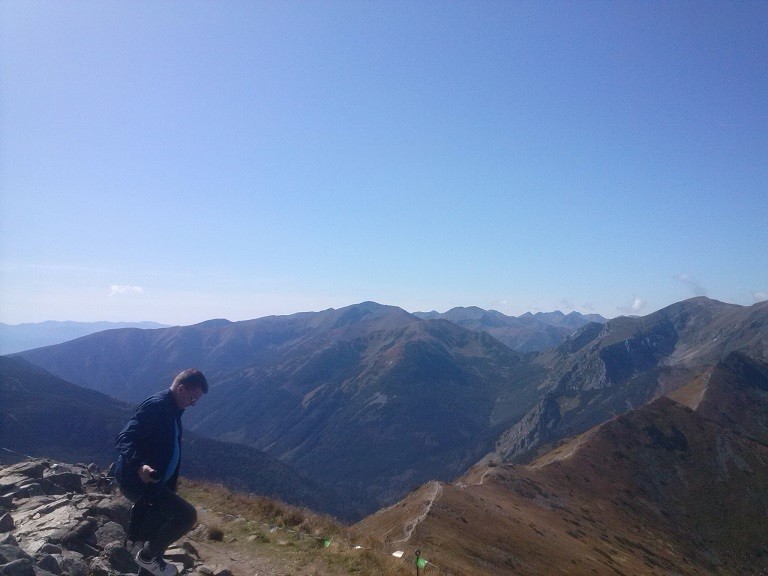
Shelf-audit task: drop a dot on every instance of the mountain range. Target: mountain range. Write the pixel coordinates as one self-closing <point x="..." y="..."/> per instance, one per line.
<point x="368" y="399"/>
<point x="526" y="333"/>
<point x="635" y="445"/>
<point x="374" y="401"/>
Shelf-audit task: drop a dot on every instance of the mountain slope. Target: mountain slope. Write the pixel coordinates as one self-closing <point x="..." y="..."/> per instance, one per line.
<point x="602" y="371"/>
<point x="379" y="413"/>
<point x="42" y="415"/>
<point x="19" y="337"/>
<point x="367" y="398"/>
<point x="131" y="364"/>
<point x="734" y="394"/>
<point x="659" y="490"/>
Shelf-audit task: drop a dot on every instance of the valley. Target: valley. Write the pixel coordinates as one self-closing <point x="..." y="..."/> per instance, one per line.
<point x="635" y="445"/>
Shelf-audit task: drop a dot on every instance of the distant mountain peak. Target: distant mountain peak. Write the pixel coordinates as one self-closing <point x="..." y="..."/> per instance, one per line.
<point x="526" y="333"/>
<point x="214" y="323"/>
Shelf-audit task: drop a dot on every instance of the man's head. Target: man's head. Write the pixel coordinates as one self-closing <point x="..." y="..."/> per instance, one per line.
<point x="188" y="386"/>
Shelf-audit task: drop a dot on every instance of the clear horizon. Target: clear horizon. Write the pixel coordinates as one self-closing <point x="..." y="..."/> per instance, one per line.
<point x="177" y="163"/>
<point x="321" y="310"/>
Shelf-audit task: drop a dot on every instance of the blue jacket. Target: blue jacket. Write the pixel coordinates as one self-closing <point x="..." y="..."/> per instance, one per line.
<point x="148" y="438"/>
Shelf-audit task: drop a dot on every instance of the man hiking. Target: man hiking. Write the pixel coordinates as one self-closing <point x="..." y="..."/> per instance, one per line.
<point x="148" y="465"/>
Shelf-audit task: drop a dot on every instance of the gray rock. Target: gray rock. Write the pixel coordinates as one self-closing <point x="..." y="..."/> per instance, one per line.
<point x="188" y="546"/>
<point x="9" y="553"/>
<point x="20" y="567"/>
<point x="49" y="564"/>
<point x="70" y="481"/>
<point x="50" y="488"/>
<point x="119" y="558"/>
<point x="218" y="570"/>
<point x="61" y="468"/>
<point x="116" y="509"/>
<point x="106" y="533"/>
<point x="99" y="567"/>
<point x="80" y="539"/>
<point x="45" y="520"/>
<point x="11" y="475"/>
<point x="181" y="557"/>
<point x="73" y="563"/>
<point x="32" y="489"/>
<point x="72" y="521"/>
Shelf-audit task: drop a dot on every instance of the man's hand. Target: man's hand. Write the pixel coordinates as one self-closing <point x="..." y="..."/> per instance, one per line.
<point x="146" y="473"/>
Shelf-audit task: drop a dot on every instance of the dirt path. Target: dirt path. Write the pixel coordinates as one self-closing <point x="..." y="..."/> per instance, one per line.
<point x="410" y="526"/>
<point x="225" y="554"/>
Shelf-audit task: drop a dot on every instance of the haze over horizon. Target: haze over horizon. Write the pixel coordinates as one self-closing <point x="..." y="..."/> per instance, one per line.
<point x="176" y="163"/>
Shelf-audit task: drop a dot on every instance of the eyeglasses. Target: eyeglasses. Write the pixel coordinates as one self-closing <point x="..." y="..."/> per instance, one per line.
<point x="192" y="397"/>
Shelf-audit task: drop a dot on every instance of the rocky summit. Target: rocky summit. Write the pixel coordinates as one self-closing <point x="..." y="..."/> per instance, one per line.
<point x="67" y="519"/>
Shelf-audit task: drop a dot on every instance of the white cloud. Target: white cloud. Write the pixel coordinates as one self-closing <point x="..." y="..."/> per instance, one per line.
<point x="760" y="296"/>
<point x="635" y="307"/>
<point x="122" y="289"/>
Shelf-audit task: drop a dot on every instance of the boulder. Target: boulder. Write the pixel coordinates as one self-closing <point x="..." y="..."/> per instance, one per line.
<point x="70" y="481"/>
<point x="68" y="520"/>
<point x="118" y="558"/>
<point x="12" y="475"/>
<point x="20" y="567"/>
<point x="107" y="533"/>
<point x="49" y="563"/>
<point x="9" y="553"/>
<point x="72" y="563"/>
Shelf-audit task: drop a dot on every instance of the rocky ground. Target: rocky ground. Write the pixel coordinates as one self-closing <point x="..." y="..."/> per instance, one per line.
<point x="66" y="519"/>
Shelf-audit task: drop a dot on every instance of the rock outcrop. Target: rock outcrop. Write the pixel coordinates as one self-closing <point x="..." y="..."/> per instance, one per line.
<point x="62" y="519"/>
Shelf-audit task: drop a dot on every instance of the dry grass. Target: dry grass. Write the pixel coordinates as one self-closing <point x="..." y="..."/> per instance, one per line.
<point x="289" y="538"/>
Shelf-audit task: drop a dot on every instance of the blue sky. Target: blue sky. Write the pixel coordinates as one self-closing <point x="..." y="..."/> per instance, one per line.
<point x="181" y="161"/>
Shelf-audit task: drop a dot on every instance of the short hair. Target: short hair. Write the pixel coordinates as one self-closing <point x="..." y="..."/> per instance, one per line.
<point x="192" y="378"/>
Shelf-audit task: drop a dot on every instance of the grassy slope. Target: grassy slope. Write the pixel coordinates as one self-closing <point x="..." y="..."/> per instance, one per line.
<point x="252" y="534"/>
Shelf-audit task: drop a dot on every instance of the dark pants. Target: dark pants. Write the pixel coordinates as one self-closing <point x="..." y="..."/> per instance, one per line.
<point x="179" y="517"/>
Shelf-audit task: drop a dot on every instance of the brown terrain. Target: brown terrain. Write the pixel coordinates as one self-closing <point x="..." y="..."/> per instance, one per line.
<point x="665" y="489"/>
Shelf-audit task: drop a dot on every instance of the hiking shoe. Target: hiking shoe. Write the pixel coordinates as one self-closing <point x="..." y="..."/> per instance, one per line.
<point x="157" y="566"/>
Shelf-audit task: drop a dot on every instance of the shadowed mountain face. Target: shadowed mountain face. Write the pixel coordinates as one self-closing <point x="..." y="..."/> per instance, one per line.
<point x="734" y="394"/>
<point x="41" y="414"/>
<point x="659" y="490"/>
<point x="602" y="371"/>
<point x="44" y="416"/>
<point x="526" y="333"/>
<point x="368" y="398"/>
